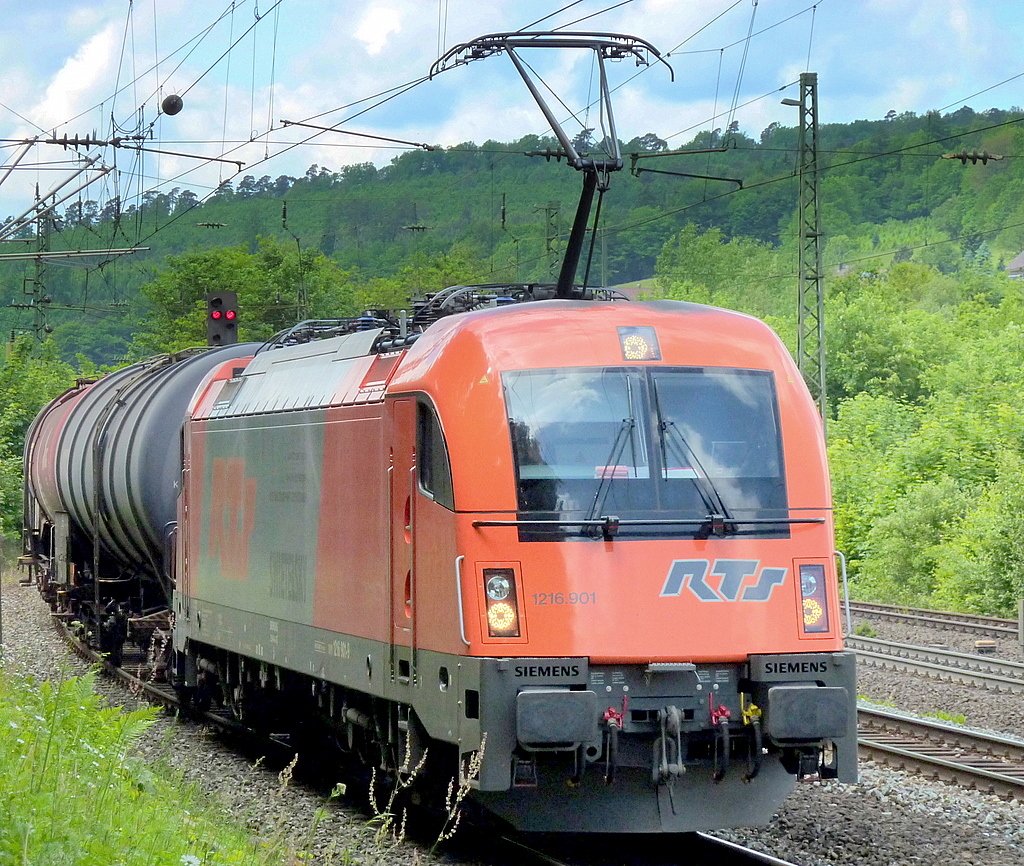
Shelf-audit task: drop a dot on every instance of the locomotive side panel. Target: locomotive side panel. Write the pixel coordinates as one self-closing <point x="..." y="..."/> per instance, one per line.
<point x="351" y="571"/>
<point x="286" y="521"/>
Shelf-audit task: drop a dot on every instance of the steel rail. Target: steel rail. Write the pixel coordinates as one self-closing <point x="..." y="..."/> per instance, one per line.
<point x="722" y="851"/>
<point x="966" y="622"/>
<point x="686" y="848"/>
<point x="972" y="670"/>
<point x="141" y="682"/>
<point x="969" y="758"/>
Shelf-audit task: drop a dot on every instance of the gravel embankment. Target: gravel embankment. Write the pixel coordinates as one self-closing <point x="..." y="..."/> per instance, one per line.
<point x="245" y="787"/>
<point x="948" y="638"/>
<point x="887" y="819"/>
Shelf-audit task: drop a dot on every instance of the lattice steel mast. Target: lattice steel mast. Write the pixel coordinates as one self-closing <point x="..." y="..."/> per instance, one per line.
<point x="810" y="347"/>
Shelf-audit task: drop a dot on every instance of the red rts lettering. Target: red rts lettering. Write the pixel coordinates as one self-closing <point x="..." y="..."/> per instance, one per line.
<point x="232" y="516"/>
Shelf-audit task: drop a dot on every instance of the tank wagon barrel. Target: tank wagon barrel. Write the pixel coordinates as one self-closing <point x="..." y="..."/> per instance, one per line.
<point x="103" y="472"/>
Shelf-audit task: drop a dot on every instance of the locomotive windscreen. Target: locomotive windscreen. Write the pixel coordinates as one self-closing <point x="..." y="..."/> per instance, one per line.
<point x="650" y="445"/>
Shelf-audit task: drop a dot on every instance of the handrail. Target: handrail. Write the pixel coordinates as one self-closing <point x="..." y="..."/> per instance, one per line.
<point x="458" y="597"/>
<point x="846" y="591"/>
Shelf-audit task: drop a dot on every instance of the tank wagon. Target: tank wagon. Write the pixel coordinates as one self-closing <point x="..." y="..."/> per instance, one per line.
<point x="102" y="475"/>
<point x="590" y="540"/>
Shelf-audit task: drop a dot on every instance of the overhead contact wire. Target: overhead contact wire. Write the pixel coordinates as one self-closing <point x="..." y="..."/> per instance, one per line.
<point x="594" y="14"/>
<point x="550" y="15"/>
<point x="810" y="38"/>
<point x="743" y="63"/>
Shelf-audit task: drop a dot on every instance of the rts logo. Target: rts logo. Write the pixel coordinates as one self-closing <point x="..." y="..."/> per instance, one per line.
<point x="723" y="580"/>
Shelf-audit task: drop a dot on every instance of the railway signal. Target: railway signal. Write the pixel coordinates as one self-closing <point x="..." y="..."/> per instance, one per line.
<point x="221" y="318"/>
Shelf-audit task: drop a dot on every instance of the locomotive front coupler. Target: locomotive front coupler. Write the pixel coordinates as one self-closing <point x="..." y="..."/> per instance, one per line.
<point x="667" y="763"/>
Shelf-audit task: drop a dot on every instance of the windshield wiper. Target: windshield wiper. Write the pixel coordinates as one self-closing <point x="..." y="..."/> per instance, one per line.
<point x="718" y="521"/>
<point x="609" y="524"/>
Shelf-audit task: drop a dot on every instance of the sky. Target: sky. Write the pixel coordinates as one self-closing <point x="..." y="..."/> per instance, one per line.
<point x="102" y="68"/>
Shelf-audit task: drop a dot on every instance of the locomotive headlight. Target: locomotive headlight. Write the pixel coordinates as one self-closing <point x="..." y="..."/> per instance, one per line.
<point x="502" y="604"/>
<point x="498" y="587"/>
<point x="813" y="601"/>
<point x="808" y="583"/>
<point x="501" y="618"/>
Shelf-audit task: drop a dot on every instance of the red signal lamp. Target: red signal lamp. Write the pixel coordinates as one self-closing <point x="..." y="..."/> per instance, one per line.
<point x="221" y="318"/>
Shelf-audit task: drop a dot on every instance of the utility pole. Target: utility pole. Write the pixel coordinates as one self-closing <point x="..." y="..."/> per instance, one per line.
<point x="810" y="347"/>
<point x="551" y="237"/>
<point x="39" y="299"/>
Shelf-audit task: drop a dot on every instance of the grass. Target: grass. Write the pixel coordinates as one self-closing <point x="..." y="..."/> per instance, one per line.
<point x="952" y="718"/>
<point x="73" y="793"/>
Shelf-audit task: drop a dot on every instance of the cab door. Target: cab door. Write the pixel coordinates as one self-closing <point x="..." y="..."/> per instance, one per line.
<point x="402" y="501"/>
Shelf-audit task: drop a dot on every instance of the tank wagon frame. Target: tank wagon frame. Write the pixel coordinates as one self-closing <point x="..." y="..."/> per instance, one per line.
<point x="587" y="543"/>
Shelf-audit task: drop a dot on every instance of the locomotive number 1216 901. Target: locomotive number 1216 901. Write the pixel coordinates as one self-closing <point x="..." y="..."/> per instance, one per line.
<point x="550" y="598"/>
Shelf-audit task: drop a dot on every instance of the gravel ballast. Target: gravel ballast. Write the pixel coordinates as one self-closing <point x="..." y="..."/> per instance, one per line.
<point x="888" y="818"/>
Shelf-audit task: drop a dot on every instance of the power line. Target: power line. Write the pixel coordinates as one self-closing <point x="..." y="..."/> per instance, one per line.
<point x="550" y="15"/>
<point x="594" y="14"/>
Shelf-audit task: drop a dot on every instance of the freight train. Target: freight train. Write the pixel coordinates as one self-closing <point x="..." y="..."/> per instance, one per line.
<point x="584" y="541"/>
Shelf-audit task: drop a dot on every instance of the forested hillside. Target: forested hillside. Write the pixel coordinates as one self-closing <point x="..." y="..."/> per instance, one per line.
<point x="925" y="329"/>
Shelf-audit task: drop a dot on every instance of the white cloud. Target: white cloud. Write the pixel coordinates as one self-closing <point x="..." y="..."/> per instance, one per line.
<point x="76" y="84"/>
<point x="376" y="26"/>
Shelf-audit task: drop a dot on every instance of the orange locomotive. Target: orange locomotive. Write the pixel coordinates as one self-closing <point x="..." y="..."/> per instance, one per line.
<point x="591" y="539"/>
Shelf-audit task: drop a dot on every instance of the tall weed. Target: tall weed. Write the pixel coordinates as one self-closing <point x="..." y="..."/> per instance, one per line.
<point x="73" y="793"/>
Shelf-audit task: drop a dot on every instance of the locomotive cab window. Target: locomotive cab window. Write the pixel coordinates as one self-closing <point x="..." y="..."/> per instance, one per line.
<point x="648" y="445"/>
<point x="435" y="471"/>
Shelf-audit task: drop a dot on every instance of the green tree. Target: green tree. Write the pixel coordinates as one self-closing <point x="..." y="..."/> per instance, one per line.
<point x="860" y="441"/>
<point x="425" y="273"/>
<point x="741" y="274"/>
<point x="268" y="284"/>
<point x="30" y="376"/>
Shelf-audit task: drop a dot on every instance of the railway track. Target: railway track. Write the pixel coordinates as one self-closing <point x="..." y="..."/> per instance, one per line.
<point x="945" y="665"/>
<point x="972" y="759"/>
<point x="993" y="626"/>
<point x="138" y="677"/>
<point x="692" y="849"/>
